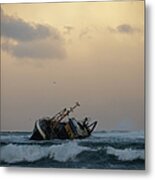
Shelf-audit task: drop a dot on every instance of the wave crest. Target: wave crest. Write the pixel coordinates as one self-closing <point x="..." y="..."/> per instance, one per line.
<point x="29" y="153"/>
<point x="127" y="154"/>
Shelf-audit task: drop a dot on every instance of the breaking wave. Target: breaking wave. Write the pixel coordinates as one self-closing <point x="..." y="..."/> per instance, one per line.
<point x="13" y="153"/>
<point x="127" y="154"/>
<point x="102" y="150"/>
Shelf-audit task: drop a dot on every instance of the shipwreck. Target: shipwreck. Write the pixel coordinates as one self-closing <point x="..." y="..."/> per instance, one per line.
<point x="57" y="127"/>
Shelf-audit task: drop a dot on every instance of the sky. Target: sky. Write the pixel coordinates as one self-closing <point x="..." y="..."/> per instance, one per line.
<point x="54" y="54"/>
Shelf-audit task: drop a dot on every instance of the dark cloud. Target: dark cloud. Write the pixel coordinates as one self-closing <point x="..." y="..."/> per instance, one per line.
<point x="68" y="29"/>
<point x="32" y="40"/>
<point x="124" y="28"/>
<point x="42" y="49"/>
<point x="16" y="28"/>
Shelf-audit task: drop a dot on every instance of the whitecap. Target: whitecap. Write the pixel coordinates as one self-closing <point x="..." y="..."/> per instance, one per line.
<point x="127" y="154"/>
<point x="13" y="153"/>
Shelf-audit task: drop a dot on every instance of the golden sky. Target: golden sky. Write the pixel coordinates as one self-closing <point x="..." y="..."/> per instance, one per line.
<point x="94" y="51"/>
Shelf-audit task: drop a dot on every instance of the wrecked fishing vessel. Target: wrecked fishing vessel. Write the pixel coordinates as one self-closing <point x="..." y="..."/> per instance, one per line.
<point x="57" y="127"/>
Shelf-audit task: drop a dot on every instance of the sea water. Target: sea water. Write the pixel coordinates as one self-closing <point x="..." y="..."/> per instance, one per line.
<point x="102" y="150"/>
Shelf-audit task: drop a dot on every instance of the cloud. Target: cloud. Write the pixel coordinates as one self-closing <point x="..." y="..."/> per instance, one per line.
<point x="68" y="29"/>
<point x="85" y="33"/>
<point x="40" y="49"/>
<point x="29" y="40"/>
<point x="16" y="28"/>
<point x="124" y="29"/>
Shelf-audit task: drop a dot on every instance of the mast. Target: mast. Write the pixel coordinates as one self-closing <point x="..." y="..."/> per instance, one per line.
<point x="62" y="114"/>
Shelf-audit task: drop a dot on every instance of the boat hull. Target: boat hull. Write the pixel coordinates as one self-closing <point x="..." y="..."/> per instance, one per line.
<point x="73" y="129"/>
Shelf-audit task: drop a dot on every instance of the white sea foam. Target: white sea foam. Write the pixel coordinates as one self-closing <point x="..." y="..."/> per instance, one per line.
<point x="127" y="154"/>
<point x="20" y="153"/>
<point x="17" y="153"/>
<point x="66" y="151"/>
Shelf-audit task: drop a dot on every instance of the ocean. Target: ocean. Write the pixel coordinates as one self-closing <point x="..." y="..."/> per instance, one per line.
<point x="102" y="150"/>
